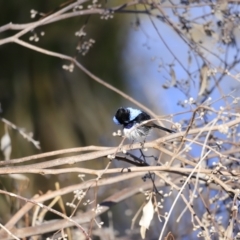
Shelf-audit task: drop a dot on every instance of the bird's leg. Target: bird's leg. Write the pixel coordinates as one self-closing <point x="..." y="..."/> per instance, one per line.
<point x="142" y="143"/>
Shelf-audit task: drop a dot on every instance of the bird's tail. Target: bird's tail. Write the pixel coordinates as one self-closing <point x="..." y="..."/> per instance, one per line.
<point x="163" y="128"/>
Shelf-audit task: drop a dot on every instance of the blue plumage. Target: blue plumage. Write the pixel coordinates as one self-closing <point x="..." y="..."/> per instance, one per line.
<point x="133" y="113"/>
<point x="116" y="121"/>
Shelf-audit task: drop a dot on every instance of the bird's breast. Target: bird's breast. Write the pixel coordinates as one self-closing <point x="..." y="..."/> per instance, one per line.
<point x="136" y="133"/>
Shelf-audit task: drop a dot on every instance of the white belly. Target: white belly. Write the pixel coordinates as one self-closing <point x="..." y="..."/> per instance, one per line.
<point x="136" y="133"/>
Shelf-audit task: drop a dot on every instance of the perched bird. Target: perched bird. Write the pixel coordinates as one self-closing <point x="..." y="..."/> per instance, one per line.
<point x="131" y="119"/>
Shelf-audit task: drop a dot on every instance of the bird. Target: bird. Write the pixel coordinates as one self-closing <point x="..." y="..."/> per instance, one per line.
<point x="132" y="121"/>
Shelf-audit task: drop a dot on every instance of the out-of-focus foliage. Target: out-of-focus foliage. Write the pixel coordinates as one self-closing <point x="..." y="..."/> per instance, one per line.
<point x="61" y="108"/>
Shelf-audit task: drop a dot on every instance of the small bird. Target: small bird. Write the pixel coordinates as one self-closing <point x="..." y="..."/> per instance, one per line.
<point x="131" y="119"/>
